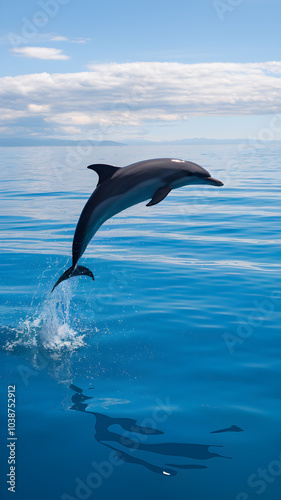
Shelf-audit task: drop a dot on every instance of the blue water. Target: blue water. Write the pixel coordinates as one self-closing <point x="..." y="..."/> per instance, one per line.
<point x="178" y="337"/>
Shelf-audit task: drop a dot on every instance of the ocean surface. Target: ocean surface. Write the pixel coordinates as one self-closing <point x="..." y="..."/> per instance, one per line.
<point x="161" y="379"/>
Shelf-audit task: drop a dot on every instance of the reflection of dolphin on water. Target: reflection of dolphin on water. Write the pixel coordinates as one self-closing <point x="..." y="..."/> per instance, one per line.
<point x="120" y="188"/>
<point x="233" y="428"/>
<point x="132" y="444"/>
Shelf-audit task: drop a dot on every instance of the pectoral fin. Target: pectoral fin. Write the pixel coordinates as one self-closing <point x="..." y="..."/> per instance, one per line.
<point x="160" y="194"/>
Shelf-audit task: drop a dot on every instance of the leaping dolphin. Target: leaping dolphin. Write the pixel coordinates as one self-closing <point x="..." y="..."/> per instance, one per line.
<point x="120" y="188"/>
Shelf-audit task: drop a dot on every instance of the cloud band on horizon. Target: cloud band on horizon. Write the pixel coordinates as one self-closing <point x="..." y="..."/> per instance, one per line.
<point x="138" y="93"/>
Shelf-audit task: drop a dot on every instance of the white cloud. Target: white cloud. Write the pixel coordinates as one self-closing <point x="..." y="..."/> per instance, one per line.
<point x="40" y="53"/>
<point x="80" y="40"/>
<point x="17" y="40"/>
<point x="71" y="130"/>
<point x="133" y="95"/>
<point x="9" y="114"/>
<point x="72" y="118"/>
<point x="39" y="108"/>
<point x="6" y="131"/>
<point x="59" y="38"/>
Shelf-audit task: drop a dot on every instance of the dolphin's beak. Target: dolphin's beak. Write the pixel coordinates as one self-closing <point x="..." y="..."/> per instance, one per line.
<point x="214" y="182"/>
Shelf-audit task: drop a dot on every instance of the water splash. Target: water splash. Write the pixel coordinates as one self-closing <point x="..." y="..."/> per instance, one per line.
<point x="50" y="334"/>
<point x="52" y="326"/>
<point x="56" y="332"/>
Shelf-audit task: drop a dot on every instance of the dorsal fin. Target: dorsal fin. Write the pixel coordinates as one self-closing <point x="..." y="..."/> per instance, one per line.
<point x="104" y="171"/>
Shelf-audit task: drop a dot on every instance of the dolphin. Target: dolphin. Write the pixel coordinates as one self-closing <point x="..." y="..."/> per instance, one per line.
<point x="120" y="188"/>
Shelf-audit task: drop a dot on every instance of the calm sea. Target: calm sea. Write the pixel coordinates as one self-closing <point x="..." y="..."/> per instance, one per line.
<point x="161" y="380"/>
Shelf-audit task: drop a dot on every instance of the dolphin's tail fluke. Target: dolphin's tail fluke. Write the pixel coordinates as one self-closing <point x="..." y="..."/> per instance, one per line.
<point x="74" y="271"/>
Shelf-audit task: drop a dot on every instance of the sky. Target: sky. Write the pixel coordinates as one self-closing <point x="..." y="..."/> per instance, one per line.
<point x="143" y="70"/>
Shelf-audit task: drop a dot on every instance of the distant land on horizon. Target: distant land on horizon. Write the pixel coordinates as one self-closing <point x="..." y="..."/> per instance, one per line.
<point x="25" y="142"/>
